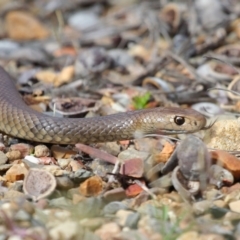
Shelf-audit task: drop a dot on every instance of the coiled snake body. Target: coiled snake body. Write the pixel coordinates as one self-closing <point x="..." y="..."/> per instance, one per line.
<point x="18" y="120"/>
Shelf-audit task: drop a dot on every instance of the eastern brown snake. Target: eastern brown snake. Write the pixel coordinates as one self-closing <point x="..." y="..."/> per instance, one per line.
<point x="19" y="120"/>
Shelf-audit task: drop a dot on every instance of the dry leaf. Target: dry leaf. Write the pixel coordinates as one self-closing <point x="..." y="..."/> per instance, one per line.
<point x="39" y="183"/>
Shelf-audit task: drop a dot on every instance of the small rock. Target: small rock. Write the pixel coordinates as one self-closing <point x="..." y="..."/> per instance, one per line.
<point x="55" y="170"/>
<point x="91" y="187"/>
<point x="17" y="186"/>
<point x="63" y="163"/>
<point x="76" y="198"/>
<point x="5" y="167"/>
<point x="41" y="151"/>
<point x="108" y="231"/>
<point x="25" y="149"/>
<point x="64" y="183"/>
<point x="133" y="167"/>
<point x="113" y="207"/>
<point x="132" y="220"/>
<point x="219" y="203"/>
<point x="235" y="206"/>
<point x="73" y="191"/>
<point x="16" y="172"/>
<point x="231" y="216"/>
<point x="66" y="230"/>
<point x="2" y="146"/>
<point x="75" y="165"/>
<point x="223" y="134"/>
<point x="21" y="215"/>
<point x="233" y="196"/>
<point x="211" y="236"/>
<point x="201" y="207"/>
<point x="92" y="223"/>
<point x="80" y="175"/>
<point x="89" y="207"/>
<point x="31" y="161"/>
<point x="62" y="152"/>
<point x="122" y="216"/>
<point x="100" y="167"/>
<point x="3" y="158"/>
<point x="14" y="155"/>
<point x="60" y="201"/>
<point x="116" y="194"/>
<point x="12" y="194"/>
<point x="132" y="153"/>
<point x="47" y="160"/>
<point x="110" y="147"/>
<point x="188" y="235"/>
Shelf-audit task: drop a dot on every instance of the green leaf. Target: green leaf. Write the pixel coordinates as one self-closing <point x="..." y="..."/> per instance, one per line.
<point x="140" y="102"/>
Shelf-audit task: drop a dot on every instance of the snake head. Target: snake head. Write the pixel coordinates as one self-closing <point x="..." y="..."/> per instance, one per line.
<point x="173" y="121"/>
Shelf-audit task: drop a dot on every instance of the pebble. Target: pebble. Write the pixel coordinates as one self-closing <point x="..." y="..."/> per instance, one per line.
<point x="224" y="134"/>
<point x="16" y="172"/>
<point x="5" y="167"/>
<point x="211" y="236"/>
<point x="92" y="223"/>
<point x="60" y="201"/>
<point x="108" y="231"/>
<point x="188" y="235"/>
<point x="12" y="194"/>
<point x="113" y="207"/>
<point x="41" y="151"/>
<point x="55" y="170"/>
<point x="75" y="165"/>
<point x="219" y="203"/>
<point x="201" y="207"/>
<point x="72" y="192"/>
<point x="25" y="149"/>
<point x="80" y="175"/>
<point x="132" y="220"/>
<point x="110" y="147"/>
<point x="64" y="183"/>
<point x="122" y="216"/>
<point x="93" y="186"/>
<point x="2" y="146"/>
<point x="116" y="194"/>
<point x="63" y="163"/>
<point x="235" y="206"/>
<point x="233" y="196"/>
<point x="66" y="230"/>
<point x="31" y="160"/>
<point x="14" y="155"/>
<point x="3" y="158"/>
<point x="76" y="198"/>
<point x="62" y="152"/>
<point x="21" y="215"/>
<point x="132" y="153"/>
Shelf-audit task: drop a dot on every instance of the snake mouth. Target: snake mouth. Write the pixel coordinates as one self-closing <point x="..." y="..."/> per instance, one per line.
<point x="171" y="131"/>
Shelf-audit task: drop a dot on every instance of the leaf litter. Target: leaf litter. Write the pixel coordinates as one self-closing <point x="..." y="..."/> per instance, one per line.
<point x="91" y="58"/>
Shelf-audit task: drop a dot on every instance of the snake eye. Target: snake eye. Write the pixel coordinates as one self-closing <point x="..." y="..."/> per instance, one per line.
<point x="179" y="120"/>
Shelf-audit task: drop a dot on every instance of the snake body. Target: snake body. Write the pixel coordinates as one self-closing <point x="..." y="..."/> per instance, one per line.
<point x="19" y="120"/>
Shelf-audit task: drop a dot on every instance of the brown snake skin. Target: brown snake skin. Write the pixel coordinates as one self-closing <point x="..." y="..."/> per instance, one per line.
<point x="18" y="120"/>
